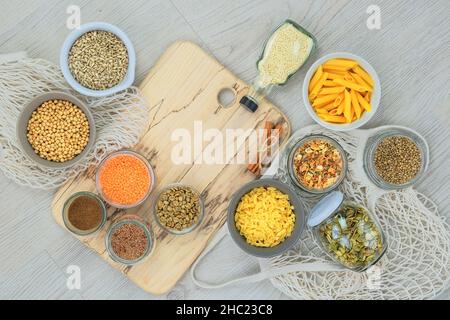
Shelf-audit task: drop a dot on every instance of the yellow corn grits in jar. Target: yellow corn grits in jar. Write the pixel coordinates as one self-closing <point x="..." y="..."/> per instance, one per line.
<point x="265" y="217"/>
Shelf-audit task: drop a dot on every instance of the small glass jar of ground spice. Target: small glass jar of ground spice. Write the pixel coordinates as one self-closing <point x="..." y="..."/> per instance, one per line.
<point x="347" y="231"/>
<point x="395" y="158"/>
<point x="84" y="213"/>
<point x="129" y="240"/>
<point x="317" y="164"/>
<point x="179" y="209"/>
<point x="124" y="179"/>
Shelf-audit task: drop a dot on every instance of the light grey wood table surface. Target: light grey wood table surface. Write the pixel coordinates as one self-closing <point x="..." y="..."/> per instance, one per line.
<point x="411" y="53"/>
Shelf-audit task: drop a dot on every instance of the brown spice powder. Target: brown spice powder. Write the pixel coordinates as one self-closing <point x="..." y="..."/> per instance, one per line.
<point x="85" y="213"/>
<point x="129" y="241"/>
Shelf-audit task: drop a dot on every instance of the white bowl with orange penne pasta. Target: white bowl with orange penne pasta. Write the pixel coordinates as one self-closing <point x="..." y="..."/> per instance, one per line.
<point x="341" y="91"/>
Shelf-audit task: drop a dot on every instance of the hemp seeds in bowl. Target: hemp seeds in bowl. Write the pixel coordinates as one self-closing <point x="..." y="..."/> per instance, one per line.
<point x="98" y="59"/>
<point x="317" y="164"/>
<point x="56" y="130"/>
<point x="179" y="209"/>
<point x="396" y="158"/>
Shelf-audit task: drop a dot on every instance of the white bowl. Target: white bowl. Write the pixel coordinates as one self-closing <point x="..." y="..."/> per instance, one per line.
<point x="70" y="40"/>
<point x="374" y="100"/>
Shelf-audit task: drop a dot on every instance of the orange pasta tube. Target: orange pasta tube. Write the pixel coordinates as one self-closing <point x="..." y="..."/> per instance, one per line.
<point x="330" y="118"/>
<point x="324" y="99"/>
<point x="338" y="100"/>
<point x="363" y="102"/>
<point x="363" y="74"/>
<point x="329" y="83"/>
<point x="349" y="77"/>
<point x="331" y="90"/>
<point x="315" y="78"/>
<point x="359" y="80"/>
<point x="318" y="86"/>
<point x="355" y="104"/>
<point x="340" y="109"/>
<point x="321" y="111"/>
<point x="334" y="69"/>
<point x="347" y="106"/>
<point x="327" y="107"/>
<point x="352" y="85"/>
<point x="333" y="112"/>
<point x="343" y="63"/>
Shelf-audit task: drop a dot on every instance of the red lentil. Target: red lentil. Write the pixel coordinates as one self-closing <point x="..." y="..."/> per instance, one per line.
<point x="124" y="179"/>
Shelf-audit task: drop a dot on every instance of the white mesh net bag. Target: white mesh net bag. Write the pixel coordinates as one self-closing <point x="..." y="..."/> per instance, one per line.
<point x="120" y="119"/>
<point x="415" y="266"/>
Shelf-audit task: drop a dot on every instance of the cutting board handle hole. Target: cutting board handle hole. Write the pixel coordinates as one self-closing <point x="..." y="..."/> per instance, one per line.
<point x="226" y="97"/>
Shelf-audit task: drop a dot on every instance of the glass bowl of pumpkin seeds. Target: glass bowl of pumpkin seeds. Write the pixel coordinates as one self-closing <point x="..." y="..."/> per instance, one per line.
<point x="178" y="208"/>
<point x="347" y="231"/>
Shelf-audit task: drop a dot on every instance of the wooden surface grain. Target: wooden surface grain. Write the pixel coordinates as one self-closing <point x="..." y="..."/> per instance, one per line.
<point x="182" y="88"/>
<point x="410" y="53"/>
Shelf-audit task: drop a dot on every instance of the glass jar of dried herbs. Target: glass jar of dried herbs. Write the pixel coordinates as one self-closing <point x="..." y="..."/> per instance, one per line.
<point x="347" y="232"/>
<point x="317" y="164"/>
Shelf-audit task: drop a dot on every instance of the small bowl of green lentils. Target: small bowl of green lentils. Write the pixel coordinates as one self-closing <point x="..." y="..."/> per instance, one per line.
<point x="395" y="157"/>
<point x="98" y="59"/>
<point x="178" y="209"/>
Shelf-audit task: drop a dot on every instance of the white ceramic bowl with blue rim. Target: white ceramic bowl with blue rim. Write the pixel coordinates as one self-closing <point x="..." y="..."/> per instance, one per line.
<point x="126" y="82"/>
<point x="374" y="100"/>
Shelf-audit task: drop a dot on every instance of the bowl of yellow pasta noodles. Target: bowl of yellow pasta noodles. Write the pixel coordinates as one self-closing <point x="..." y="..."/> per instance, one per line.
<point x="341" y="91"/>
<point x="265" y="218"/>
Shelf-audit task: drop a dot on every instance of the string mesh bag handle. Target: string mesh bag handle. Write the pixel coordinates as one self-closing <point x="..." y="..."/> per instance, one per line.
<point x="415" y="266"/>
<point x="120" y="119"/>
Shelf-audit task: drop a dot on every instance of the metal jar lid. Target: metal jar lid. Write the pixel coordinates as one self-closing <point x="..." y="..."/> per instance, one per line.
<point x="325" y="208"/>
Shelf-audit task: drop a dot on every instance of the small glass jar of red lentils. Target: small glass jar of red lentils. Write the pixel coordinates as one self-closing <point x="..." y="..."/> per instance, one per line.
<point x="124" y="179"/>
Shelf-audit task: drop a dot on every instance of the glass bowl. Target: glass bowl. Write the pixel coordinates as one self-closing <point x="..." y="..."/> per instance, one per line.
<point x="65" y="213"/>
<point x="291" y="170"/>
<point x="188" y="229"/>
<point x="375" y="140"/>
<point x="149" y="170"/>
<point x="138" y="221"/>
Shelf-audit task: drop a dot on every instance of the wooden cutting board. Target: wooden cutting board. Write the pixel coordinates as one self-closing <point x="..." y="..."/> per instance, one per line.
<point x="181" y="88"/>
